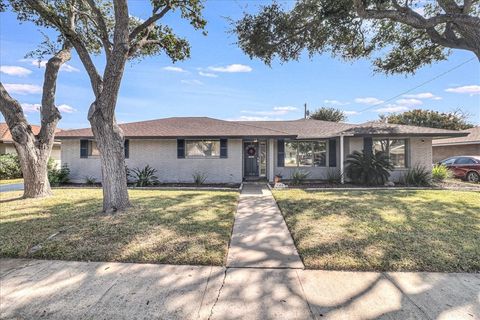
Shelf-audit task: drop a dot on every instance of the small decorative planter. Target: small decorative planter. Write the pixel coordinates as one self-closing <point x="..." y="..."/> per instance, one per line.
<point x="277" y="179"/>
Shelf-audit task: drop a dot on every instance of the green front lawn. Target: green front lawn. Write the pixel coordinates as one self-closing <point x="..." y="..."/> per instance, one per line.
<point x="389" y="230"/>
<point x="178" y="227"/>
<point x="11" y="181"/>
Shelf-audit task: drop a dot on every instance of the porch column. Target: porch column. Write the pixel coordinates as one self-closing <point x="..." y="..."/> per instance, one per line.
<point x="342" y="171"/>
<point x="270" y="159"/>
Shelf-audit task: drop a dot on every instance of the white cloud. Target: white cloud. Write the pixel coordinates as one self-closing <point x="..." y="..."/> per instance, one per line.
<point x="174" y="69"/>
<point x="22" y="88"/>
<point x="35" y="107"/>
<point x="276" y="111"/>
<point x="473" y="89"/>
<point x="368" y="101"/>
<point x="423" y="95"/>
<point x="43" y="63"/>
<point x="232" y="68"/>
<point x="287" y="108"/>
<point x="392" y="108"/>
<point x="409" y="102"/>
<point x="350" y="112"/>
<point x="15" y="71"/>
<point x="335" y="102"/>
<point x="66" y="108"/>
<point x="31" y="107"/>
<point x="207" y="74"/>
<point x="192" y="82"/>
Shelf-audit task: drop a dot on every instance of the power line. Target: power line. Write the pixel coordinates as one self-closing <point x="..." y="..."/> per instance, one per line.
<point x="418" y="86"/>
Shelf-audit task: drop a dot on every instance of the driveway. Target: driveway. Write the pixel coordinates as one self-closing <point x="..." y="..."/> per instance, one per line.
<point x="33" y="289"/>
<point x="11" y="187"/>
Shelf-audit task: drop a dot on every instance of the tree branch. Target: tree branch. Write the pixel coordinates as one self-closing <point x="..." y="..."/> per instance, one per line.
<point x="100" y="22"/>
<point x="69" y="32"/>
<point x="147" y="23"/>
<point x="49" y="113"/>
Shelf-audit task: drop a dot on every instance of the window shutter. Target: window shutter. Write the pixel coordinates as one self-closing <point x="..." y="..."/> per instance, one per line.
<point x="223" y="148"/>
<point x="83" y="148"/>
<point x="280" y="153"/>
<point x="126" y="147"/>
<point x="332" y="152"/>
<point x="180" y="148"/>
<point x="368" y="145"/>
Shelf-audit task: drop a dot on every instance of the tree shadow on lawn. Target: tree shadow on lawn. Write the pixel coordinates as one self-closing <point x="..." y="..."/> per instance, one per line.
<point x="405" y="231"/>
<point x="178" y="228"/>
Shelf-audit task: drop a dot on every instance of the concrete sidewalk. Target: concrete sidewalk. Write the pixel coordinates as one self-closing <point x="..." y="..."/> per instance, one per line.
<point x="31" y="289"/>
<point x="260" y="237"/>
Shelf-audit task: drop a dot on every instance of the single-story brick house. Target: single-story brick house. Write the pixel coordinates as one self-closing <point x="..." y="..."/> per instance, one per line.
<point x="7" y="146"/>
<point x="460" y="146"/>
<point x="234" y="151"/>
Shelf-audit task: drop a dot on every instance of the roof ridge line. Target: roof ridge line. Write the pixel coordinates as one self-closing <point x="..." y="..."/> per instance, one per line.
<point x="260" y="127"/>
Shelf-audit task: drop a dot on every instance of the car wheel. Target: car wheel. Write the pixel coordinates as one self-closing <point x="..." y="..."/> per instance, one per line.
<point x="473" y="176"/>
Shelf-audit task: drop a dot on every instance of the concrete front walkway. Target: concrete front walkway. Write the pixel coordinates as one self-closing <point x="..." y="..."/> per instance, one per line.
<point x="32" y="289"/>
<point x="260" y="237"/>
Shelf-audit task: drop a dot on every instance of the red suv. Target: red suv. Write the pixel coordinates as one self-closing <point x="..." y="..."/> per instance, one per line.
<point x="464" y="167"/>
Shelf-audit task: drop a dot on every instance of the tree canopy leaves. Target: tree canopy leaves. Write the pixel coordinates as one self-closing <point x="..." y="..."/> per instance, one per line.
<point x="399" y="38"/>
<point x="456" y="120"/>
<point x="328" y="114"/>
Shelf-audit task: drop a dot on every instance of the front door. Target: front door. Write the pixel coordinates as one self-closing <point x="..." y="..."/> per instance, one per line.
<point x="251" y="159"/>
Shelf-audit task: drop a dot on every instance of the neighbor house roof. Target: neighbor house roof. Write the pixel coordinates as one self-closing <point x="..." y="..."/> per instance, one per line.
<point x="390" y="129"/>
<point x="189" y="127"/>
<point x="6" y="135"/>
<point x="184" y="127"/>
<point x="473" y="137"/>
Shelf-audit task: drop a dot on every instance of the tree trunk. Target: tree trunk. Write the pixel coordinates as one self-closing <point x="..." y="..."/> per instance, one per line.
<point x="110" y="142"/>
<point x="34" y="165"/>
<point x="34" y="150"/>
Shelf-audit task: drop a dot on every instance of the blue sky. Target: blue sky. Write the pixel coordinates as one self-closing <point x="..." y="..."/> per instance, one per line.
<point x="220" y="81"/>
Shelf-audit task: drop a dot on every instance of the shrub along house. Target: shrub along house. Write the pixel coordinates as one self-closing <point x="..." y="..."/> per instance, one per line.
<point x="7" y="146"/>
<point x="235" y="151"/>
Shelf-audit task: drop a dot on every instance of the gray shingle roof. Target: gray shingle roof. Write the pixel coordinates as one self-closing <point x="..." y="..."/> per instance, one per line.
<point x="305" y="128"/>
<point x="472" y="137"/>
<point x="189" y="127"/>
<point x="390" y="129"/>
<point x="184" y="127"/>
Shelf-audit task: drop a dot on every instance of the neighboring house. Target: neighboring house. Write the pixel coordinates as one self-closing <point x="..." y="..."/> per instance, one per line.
<point x="7" y="146"/>
<point x="460" y="146"/>
<point x="234" y="151"/>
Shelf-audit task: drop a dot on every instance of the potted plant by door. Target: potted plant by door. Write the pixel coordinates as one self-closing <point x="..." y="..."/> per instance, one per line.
<point x="277" y="179"/>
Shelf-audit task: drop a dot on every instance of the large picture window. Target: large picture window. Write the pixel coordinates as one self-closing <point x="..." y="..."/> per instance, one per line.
<point x="305" y="153"/>
<point x="394" y="148"/>
<point x="89" y="149"/>
<point x="202" y="148"/>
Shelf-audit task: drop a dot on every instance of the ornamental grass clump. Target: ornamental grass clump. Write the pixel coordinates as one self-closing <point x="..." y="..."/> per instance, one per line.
<point x="440" y="173"/>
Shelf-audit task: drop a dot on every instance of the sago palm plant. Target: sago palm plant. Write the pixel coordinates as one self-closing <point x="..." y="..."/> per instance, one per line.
<point x="368" y="169"/>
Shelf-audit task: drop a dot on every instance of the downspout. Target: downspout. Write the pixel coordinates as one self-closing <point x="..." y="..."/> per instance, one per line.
<point x="342" y="171"/>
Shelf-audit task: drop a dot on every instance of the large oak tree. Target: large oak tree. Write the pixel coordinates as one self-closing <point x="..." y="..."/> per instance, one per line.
<point x="34" y="149"/>
<point x="107" y="28"/>
<point x="400" y="36"/>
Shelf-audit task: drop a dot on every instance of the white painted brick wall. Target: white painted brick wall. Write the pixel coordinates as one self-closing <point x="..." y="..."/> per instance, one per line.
<point x="161" y="155"/>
